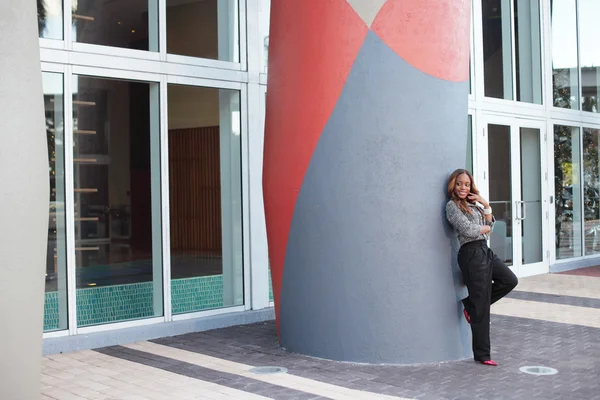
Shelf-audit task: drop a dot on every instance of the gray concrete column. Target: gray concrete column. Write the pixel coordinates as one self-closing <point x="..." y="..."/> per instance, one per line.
<point x="366" y="118"/>
<point x="24" y="196"/>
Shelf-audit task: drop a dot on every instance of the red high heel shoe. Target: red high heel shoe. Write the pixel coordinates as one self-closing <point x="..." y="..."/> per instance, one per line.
<point x="467" y="316"/>
<point x="491" y="363"/>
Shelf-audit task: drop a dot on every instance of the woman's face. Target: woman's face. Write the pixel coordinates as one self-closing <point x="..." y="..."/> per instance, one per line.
<point x="462" y="187"/>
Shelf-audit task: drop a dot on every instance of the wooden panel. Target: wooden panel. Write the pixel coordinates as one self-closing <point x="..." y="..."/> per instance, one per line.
<point x="195" y="189"/>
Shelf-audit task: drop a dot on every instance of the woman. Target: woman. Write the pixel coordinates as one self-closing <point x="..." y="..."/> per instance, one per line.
<point x="487" y="278"/>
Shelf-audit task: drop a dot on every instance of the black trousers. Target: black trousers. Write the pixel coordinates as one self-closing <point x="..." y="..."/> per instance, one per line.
<point x="488" y="280"/>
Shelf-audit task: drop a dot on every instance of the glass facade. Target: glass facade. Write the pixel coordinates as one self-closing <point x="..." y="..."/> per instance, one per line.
<point x="591" y="192"/>
<point x="205" y="193"/>
<point x="512" y="53"/>
<point x="55" y="307"/>
<point x="568" y="191"/>
<point x="497" y="48"/>
<point x="149" y="151"/>
<point x="50" y="19"/>
<point x="116" y="177"/>
<point x="204" y="29"/>
<point x="589" y="29"/>
<point x="501" y="193"/>
<point x="132" y="24"/>
<point x="263" y="15"/>
<point x="565" y="77"/>
<point x="528" y="51"/>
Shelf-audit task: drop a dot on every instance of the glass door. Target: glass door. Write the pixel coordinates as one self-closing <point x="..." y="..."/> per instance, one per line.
<point x="516" y="189"/>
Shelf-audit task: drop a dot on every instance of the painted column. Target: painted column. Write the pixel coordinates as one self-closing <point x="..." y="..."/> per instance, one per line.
<point x="366" y="118"/>
<point x="24" y="196"/>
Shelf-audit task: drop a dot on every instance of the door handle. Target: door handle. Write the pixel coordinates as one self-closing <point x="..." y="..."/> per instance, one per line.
<point x="521" y="211"/>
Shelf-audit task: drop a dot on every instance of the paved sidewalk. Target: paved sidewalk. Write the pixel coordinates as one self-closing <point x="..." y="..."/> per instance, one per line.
<point x="551" y="320"/>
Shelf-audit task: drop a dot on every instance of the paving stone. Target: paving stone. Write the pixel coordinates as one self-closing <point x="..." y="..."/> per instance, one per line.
<point x="572" y="349"/>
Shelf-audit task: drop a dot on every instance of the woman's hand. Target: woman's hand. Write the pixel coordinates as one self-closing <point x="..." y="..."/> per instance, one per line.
<point x="479" y="199"/>
<point x="485" y="229"/>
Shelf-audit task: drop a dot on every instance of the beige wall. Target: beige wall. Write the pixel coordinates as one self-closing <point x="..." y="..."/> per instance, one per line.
<point x="192" y="107"/>
<point x="192" y="29"/>
<point x="119" y="168"/>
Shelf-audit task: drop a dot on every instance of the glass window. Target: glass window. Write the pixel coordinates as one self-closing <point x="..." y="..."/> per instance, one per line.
<point x="497" y="49"/>
<point x="501" y="197"/>
<point x="568" y="191"/>
<point x="131" y="24"/>
<point x="469" y="161"/>
<point x="591" y="192"/>
<point x="116" y="168"/>
<point x="528" y="54"/>
<point x="565" y="80"/>
<point x="204" y="29"/>
<point x="264" y="12"/>
<point x="55" y="304"/>
<point x="50" y="19"/>
<point x="589" y="12"/>
<point x="205" y="198"/>
<point x="500" y="17"/>
<point x="531" y="212"/>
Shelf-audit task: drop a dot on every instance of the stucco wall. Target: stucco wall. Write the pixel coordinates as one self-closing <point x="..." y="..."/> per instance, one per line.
<point x="24" y="196"/>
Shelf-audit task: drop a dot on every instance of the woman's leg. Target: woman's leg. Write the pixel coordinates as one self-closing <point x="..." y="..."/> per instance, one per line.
<point x="477" y="275"/>
<point x="504" y="279"/>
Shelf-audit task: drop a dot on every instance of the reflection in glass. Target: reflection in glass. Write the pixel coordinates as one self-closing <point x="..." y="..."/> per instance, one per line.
<point x="50" y="19"/>
<point x="528" y="54"/>
<point x="55" y="305"/>
<point x="264" y="12"/>
<point x="204" y="29"/>
<point x="589" y="12"/>
<point x="565" y="80"/>
<point x="530" y="207"/>
<point x="116" y="169"/>
<point x="205" y="198"/>
<point x="500" y="191"/>
<point x="130" y="24"/>
<point x="469" y="161"/>
<point x="567" y="186"/>
<point x="497" y="49"/>
<point x="591" y="190"/>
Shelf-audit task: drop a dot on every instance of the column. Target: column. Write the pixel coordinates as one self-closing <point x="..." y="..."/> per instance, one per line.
<point x="366" y="119"/>
<point x="24" y="196"/>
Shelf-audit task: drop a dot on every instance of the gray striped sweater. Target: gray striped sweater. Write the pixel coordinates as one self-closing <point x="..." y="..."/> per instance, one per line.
<point x="466" y="225"/>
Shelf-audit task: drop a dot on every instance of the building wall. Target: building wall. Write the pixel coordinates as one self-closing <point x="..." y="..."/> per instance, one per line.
<point x="189" y="44"/>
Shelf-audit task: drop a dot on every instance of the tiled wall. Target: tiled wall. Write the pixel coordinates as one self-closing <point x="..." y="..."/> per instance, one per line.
<point x="195" y="294"/>
<point x="51" y="311"/>
<point x="106" y="304"/>
<point x="270" y="287"/>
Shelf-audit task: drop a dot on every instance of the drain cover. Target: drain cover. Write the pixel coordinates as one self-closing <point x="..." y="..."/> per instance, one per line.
<point x="537" y="370"/>
<point x="268" y="370"/>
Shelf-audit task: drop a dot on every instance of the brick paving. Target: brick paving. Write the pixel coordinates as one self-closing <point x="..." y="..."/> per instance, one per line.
<point x="571" y="349"/>
<point x="217" y="364"/>
<point x="556" y="299"/>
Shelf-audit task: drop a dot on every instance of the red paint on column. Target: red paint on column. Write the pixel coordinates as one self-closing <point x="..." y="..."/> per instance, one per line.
<point x="431" y="35"/>
<point x="313" y="44"/>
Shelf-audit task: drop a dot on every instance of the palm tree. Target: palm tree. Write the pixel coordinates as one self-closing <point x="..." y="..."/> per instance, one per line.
<point x="41" y="12"/>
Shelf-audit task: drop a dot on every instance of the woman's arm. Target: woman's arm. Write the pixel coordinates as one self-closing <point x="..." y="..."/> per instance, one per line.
<point x="489" y="217"/>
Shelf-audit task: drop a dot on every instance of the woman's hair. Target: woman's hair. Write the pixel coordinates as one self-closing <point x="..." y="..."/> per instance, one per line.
<point x="461" y="203"/>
